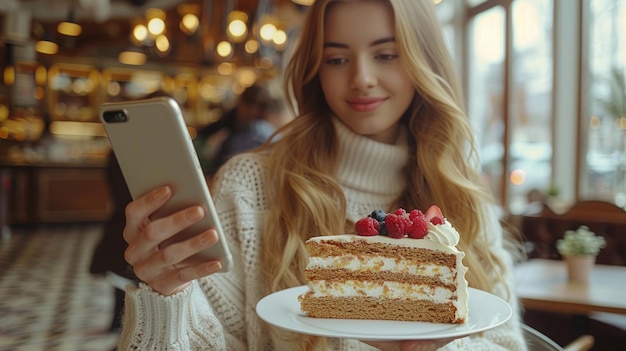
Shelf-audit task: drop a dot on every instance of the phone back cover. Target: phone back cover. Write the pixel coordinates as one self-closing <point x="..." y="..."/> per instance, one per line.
<point x="153" y="148"/>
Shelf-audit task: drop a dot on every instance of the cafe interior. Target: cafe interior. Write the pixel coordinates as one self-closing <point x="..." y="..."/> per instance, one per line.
<point x="545" y="86"/>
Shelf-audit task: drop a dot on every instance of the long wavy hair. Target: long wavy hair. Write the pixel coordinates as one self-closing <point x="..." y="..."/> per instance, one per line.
<point x="305" y="197"/>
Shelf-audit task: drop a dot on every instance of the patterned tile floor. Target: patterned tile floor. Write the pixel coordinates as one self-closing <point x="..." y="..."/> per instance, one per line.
<point x="48" y="299"/>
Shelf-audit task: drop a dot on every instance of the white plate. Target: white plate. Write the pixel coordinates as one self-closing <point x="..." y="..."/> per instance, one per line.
<point x="282" y="309"/>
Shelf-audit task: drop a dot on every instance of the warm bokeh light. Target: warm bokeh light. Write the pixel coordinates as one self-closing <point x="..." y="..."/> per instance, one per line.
<point x="267" y="31"/>
<point x="237" y="30"/>
<point x="140" y="33"/>
<point x="46" y="47"/>
<point x="280" y="39"/>
<point x="41" y="75"/>
<point x="252" y="46"/>
<point x="132" y="58"/>
<point x="226" y="68"/>
<point x="518" y="177"/>
<point x="70" y="29"/>
<point x="224" y="49"/>
<point x="304" y="2"/>
<point x="156" y="26"/>
<point x="162" y="43"/>
<point x="595" y="122"/>
<point x="8" y="75"/>
<point x="189" y="23"/>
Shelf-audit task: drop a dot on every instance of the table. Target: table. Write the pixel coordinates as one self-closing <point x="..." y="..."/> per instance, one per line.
<point x="542" y="285"/>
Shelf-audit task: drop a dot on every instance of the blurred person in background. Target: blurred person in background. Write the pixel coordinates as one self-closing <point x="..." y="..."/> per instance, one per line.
<point x="260" y="110"/>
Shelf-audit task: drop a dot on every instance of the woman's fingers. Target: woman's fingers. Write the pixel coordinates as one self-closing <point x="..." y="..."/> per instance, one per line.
<point x="149" y="236"/>
<point x="175" y="280"/>
<point x="139" y="210"/>
<point x="170" y="257"/>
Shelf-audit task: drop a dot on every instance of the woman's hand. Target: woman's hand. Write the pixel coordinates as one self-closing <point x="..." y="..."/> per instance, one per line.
<point x="409" y="345"/>
<point x="162" y="268"/>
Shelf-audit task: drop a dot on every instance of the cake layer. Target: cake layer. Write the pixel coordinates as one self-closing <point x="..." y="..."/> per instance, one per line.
<point x="399" y="269"/>
<point x="354" y="307"/>
<point x="331" y="276"/>
<point x="417" y="291"/>
<point x="366" y="248"/>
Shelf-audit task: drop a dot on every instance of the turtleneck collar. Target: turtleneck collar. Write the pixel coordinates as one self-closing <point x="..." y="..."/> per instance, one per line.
<point x="371" y="166"/>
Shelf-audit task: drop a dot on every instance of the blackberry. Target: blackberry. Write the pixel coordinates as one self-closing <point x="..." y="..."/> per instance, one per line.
<point x="383" y="229"/>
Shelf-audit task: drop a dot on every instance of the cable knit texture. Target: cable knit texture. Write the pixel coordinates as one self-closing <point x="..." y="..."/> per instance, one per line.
<point x="218" y="312"/>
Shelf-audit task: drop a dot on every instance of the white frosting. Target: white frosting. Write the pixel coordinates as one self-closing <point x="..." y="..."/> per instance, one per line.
<point x="442" y="237"/>
<point x="443" y="233"/>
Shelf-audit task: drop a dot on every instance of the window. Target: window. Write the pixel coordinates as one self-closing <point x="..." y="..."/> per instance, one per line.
<point x="509" y="92"/>
<point x="604" y="111"/>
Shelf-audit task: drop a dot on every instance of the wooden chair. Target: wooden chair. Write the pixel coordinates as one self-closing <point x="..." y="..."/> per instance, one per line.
<point x="543" y="227"/>
<point x="537" y="341"/>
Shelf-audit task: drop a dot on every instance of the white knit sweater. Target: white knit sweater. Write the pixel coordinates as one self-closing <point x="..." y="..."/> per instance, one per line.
<point x="218" y="312"/>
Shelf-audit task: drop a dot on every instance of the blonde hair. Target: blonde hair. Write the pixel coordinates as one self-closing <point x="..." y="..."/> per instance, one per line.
<point x="306" y="199"/>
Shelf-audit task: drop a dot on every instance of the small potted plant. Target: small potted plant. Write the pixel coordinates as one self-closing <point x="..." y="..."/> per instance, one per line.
<point x="579" y="249"/>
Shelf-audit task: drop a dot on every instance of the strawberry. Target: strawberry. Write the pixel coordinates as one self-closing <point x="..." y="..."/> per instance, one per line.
<point x="434" y="215"/>
<point x="367" y="226"/>
<point x="397" y="225"/>
<point x="419" y="227"/>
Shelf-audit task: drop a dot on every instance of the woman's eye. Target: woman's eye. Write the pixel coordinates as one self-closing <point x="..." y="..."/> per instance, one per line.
<point x="387" y="57"/>
<point x="336" y="61"/>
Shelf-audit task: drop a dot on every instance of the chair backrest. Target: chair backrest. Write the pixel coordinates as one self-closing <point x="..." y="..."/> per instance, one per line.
<point x="536" y="341"/>
<point x="543" y="227"/>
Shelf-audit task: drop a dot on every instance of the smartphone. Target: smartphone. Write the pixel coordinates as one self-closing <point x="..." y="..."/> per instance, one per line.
<point x="153" y="147"/>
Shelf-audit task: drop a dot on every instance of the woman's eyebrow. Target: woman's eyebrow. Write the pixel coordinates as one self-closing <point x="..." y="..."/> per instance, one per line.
<point x="330" y="44"/>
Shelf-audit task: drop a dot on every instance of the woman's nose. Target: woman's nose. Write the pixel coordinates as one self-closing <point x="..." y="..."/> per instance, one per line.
<point x="364" y="75"/>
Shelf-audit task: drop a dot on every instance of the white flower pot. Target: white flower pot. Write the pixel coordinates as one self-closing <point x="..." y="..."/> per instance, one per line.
<point x="579" y="268"/>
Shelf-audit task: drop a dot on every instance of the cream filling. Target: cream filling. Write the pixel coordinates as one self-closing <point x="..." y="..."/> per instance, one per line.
<point x="391" y="290"/>
<point x="377" y="264"/>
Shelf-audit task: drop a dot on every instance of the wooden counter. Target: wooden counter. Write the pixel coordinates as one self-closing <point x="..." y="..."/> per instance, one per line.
<point x="53" y="193"/>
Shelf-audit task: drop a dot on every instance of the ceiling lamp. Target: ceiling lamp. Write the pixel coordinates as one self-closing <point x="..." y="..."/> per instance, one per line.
<point x="132" y="56"/>
<point x="46" y="47"/>
<point x="304" y="2"/>
<point x="237" y="28"/>
<point x="69" y="27"/>
<point x="224" y="49"/>
<point x="189" y="22"/>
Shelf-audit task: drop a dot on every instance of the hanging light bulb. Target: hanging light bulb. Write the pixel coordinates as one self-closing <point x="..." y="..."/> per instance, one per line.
<point x="237" y="28"/>
<point x="47" y="47"/>
<point x="69" y="27"/>
<point x="224" y="49"/>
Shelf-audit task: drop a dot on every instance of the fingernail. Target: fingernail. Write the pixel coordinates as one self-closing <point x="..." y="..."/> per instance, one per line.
<point x="162" y="193"/>
<point x="195" y="213"/>
<point x="215" y="266"/>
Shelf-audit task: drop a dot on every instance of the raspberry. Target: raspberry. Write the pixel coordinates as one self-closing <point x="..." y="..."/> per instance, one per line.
<point x="434" y="215"/>
<point x="419" y="229"/>
<point x="416" y="214"/>
<point x="367" y="226"/>
<point x="400" y="211"/>
<point x="397" y="225"/>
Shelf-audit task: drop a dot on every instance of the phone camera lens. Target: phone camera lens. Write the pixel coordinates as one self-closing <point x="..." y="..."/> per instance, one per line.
<point x="115" y="116"/>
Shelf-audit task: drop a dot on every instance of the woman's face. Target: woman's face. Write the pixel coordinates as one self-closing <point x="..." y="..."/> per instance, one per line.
<point x="361" y="75"/>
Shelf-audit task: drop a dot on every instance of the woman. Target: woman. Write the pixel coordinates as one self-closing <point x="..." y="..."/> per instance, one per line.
<point x="380" y="125"/>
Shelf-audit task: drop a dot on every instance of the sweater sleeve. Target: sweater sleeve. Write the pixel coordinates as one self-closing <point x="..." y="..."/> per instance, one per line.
<point x="215" y="312"/>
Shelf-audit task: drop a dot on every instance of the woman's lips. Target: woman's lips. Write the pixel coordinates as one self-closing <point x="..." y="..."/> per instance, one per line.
<point x="365" y="105"/>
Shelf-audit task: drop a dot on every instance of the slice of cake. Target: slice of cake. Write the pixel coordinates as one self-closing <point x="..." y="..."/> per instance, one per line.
<point x="400" y="266"/>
